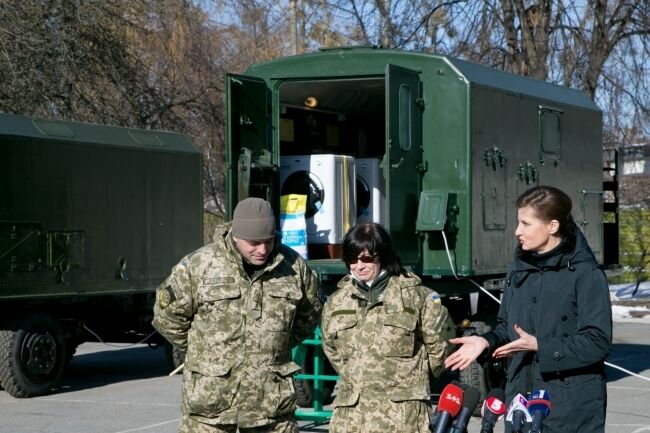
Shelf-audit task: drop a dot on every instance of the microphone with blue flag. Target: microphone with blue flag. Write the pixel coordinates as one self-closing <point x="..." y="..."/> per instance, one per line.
<point x="539" y="406"/>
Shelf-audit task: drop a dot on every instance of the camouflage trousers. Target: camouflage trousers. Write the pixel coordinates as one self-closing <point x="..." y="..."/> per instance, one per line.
<point x="284" y="425"/>
<point x="372" y="416"/>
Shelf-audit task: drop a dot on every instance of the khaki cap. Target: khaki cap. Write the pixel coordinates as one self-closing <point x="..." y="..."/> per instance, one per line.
<point x="253" y="219"/>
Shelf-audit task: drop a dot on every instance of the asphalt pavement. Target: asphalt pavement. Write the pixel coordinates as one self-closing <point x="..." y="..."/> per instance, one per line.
<point x="126" y="390"/>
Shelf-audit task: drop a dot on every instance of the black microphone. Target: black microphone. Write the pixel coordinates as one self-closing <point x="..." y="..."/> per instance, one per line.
<point x="449" y="404"/>
<point x="470" y="401"/>
<point x="493" y="408"/>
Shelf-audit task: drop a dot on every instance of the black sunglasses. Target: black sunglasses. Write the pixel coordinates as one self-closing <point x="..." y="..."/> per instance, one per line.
<point x="364" y="259"/>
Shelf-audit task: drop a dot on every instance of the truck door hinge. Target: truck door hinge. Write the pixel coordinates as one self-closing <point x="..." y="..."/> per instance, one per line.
<point x="264" y="160"/>
<point x="422" y="167"/>
<point x="420" y="102"/>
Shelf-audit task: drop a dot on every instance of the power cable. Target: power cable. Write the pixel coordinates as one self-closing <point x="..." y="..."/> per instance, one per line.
<point x="83" y="325"/>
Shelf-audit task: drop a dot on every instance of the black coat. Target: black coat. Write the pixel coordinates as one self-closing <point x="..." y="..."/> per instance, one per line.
<point x="562" y="298"/>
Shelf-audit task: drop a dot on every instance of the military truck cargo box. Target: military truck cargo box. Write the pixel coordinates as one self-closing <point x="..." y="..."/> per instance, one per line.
<point x="457" y="143"/>
<point x="92" y="218"/>
<point x="454" y="144"/>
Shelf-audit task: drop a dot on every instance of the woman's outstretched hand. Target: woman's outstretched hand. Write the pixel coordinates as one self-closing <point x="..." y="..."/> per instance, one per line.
<point x="471" y="348"/>
<point x="525" y="343"/>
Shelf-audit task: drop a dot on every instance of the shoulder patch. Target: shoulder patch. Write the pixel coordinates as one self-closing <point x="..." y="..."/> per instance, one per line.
<point x="435" y="298"/>
<point x="165" y="296"/>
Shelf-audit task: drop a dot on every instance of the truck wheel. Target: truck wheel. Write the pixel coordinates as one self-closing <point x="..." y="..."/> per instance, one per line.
<point x="305" y="387"/>
<point x="475" y="375"/>
<point x="175" y="356"/>
<point x="305" y="393"/>
<point x="32" y="357"/>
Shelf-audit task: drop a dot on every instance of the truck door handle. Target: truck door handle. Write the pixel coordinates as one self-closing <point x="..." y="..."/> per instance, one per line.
<point x="394" y="165"/>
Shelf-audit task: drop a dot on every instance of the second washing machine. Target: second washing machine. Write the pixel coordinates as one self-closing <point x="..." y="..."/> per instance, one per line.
<point x="371" y="186"/>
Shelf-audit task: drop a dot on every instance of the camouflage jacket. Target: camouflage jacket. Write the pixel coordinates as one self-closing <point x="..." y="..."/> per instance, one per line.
<point x="385" y="350"/>
<point x="237" y="330"/>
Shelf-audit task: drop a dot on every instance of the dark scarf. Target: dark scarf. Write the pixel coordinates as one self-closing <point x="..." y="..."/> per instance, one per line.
<point x="252" y="269"/>
<point x="374" y="291"/>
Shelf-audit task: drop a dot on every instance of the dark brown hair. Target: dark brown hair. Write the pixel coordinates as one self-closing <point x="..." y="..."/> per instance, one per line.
<point x="550" y="203"/>
<point x="376" y="240"/>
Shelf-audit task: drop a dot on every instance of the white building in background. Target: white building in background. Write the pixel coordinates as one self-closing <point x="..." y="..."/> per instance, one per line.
<point x="635" y="159"/>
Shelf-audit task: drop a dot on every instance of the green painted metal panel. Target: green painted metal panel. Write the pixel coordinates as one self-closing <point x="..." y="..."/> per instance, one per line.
<point x="402" y="159"/>
<point x="90" y="214"/>
<point x="432" y="211"/>
<point x="93" y="135"/>
<point x="498" y="80"/>
<point x="328" y="266"/>
<point x="249" y="148"/>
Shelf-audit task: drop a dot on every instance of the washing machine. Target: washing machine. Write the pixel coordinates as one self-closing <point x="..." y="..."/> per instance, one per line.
<point x="329" y="183"/>
<point x="371" y="195"/>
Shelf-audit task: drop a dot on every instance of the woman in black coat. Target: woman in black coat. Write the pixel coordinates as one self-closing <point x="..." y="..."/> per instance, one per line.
<point x="555" y="319"/>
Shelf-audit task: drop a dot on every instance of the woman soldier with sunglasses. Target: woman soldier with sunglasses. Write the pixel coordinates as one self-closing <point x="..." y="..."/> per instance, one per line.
<point x="383" y="332"/>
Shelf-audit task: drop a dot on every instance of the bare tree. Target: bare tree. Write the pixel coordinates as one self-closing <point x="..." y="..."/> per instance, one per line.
<point x="160" y="63"/>
<point x="409" y="24"/>
<point x="597" y="46"/>
<point x="66" y="60"/>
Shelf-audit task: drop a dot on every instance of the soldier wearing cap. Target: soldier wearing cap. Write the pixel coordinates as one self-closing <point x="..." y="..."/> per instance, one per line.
<point x="236" y="306"/>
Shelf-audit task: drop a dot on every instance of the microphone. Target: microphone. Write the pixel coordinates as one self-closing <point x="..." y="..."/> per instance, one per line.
<point x="470" y="401"/>
<point x="493" y="408"/>
<point x="449" y="405"/>
<point x="539" y="405"/>
<point x="518" y="413"/>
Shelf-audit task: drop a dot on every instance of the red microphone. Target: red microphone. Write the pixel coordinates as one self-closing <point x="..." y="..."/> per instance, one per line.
<point x="449" y="404"/>
<point x="493" y="409"/>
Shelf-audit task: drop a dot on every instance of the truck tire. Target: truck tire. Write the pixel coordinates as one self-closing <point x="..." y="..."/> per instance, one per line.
<point x="475" y="375"/>
<point x="305" y="393"/>
<point x="175" y="356"/>
<point x="32" y="356"/>
<point x="305" y="387"/>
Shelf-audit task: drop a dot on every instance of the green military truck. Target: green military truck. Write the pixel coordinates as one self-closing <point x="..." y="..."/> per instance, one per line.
<point x="442" y="148"/>
<point x="92" y="218"/>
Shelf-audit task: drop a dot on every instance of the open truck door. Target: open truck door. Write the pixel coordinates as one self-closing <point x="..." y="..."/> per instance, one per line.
<point x="403" y="159"/>
<point x="249" y="155"/>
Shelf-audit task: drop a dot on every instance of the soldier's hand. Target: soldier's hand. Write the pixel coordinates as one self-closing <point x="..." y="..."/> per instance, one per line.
<point x="470" y="349"/>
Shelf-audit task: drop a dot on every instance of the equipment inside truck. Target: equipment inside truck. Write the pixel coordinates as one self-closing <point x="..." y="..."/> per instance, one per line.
<point x="332" y="142"/>
<point x="344" y="117"/>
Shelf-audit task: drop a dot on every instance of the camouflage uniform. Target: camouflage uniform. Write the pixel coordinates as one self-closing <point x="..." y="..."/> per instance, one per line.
<point x="238" y="333"/>
<point x="383" y="353"/>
